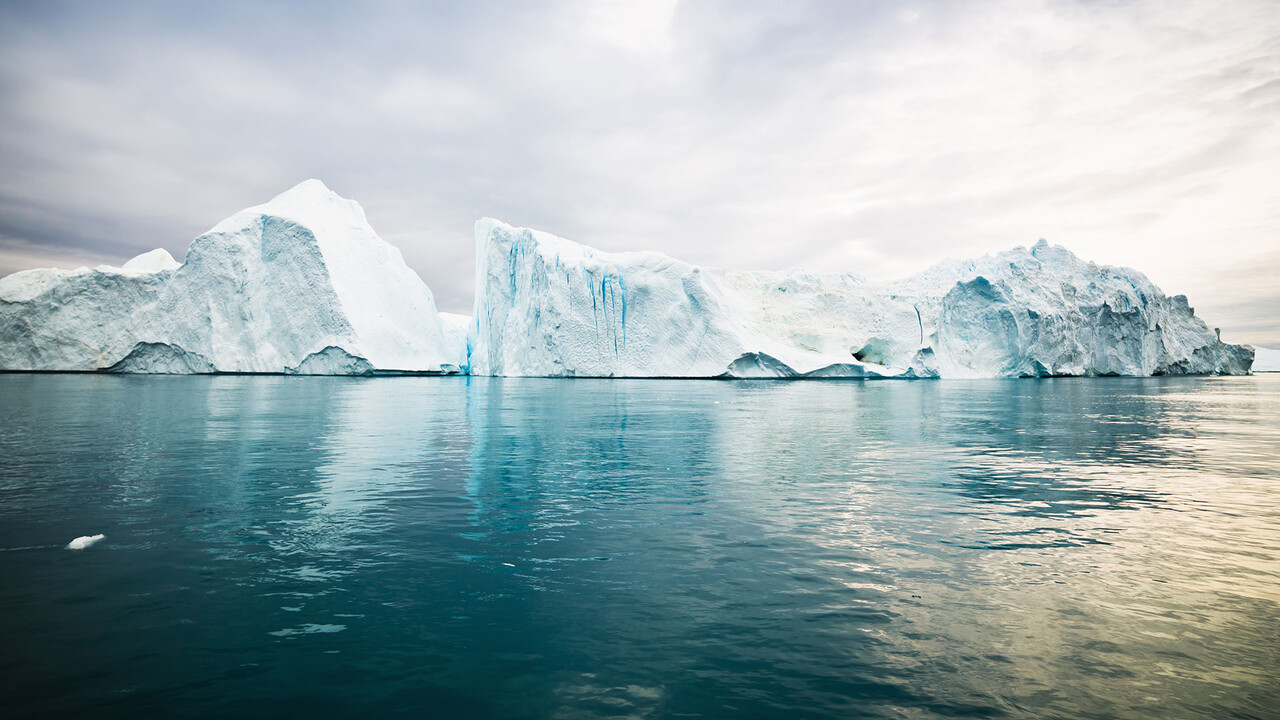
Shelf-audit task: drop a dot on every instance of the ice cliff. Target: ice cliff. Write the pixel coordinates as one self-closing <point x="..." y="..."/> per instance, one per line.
<point x="546" y="306"/>
<point x="303" y="285"/>
<point x="300" y="284"/>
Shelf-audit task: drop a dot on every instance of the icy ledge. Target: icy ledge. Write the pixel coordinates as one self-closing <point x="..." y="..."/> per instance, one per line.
<point x="300" y="284"/>
<point x="546" y="306"/>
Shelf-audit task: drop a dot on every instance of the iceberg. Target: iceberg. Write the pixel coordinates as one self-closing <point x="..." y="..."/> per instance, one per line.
<point x="1266" y="360"/>
<point x="298" y="285"/>
<point x="456" y="329"/>
<point x="546" y="306"/>
<point x="302" y="285"/>
<point x="85" y="541"/>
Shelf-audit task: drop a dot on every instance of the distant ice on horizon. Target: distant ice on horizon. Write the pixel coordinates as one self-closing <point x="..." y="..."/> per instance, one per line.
<point x="1266" y="360"/>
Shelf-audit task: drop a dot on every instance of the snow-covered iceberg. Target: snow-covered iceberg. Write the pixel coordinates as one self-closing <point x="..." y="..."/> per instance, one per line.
<point x="300" y="284"/>
<point x="546" y="306"/>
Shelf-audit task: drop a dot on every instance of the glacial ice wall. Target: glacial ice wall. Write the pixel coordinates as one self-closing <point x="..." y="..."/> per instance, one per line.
<point x="546" y="306"/>
<point x="300" y="284"/>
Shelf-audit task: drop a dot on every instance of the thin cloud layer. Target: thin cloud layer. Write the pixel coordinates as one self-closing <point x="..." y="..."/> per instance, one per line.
<point x="874" y="137"/>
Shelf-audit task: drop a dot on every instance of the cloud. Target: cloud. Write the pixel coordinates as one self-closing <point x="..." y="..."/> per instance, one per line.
<point x="876" y="137"/>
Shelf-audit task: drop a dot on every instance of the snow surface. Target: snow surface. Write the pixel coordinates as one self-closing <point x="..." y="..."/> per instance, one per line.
<point x="300" y="284"/>
<point x="84" y="541"/>
<point x="550" y="307"/>
<point x="1266" y="360"/>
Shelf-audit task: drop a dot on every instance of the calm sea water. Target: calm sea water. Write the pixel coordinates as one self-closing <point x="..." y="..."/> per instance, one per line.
<point x="459" y="548"/>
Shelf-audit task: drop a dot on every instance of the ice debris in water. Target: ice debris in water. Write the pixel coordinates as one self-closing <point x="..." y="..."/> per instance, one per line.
<point x="85" y="541"/>
<point x="309" y="629"/>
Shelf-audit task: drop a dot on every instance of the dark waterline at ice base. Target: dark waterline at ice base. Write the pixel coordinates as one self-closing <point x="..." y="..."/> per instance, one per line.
<point x="489" y="548"/>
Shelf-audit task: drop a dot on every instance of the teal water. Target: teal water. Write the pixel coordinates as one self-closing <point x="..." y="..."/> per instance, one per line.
<point x="474" y="548"/>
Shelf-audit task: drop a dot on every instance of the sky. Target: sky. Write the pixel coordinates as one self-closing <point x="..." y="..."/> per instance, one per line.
<point x="874" y="137"/>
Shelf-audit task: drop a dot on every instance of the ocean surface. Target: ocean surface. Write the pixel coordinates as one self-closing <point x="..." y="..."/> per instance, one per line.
<point x="498" y="548"/>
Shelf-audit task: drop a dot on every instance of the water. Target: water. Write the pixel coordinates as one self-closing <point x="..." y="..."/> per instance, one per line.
<point x="457" y="548"/>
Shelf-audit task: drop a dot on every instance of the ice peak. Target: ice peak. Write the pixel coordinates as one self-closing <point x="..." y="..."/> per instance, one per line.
<point x="1056" y="256"/>
<point x="486" y="225"/>
<point x="308" y="198"/>
<point x="310" y="188"/>
<point x="151" y="262"/>
<point x="308" y="203"/>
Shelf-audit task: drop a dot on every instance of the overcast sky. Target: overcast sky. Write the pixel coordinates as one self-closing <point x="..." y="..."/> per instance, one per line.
<point x="878" y="137"/>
